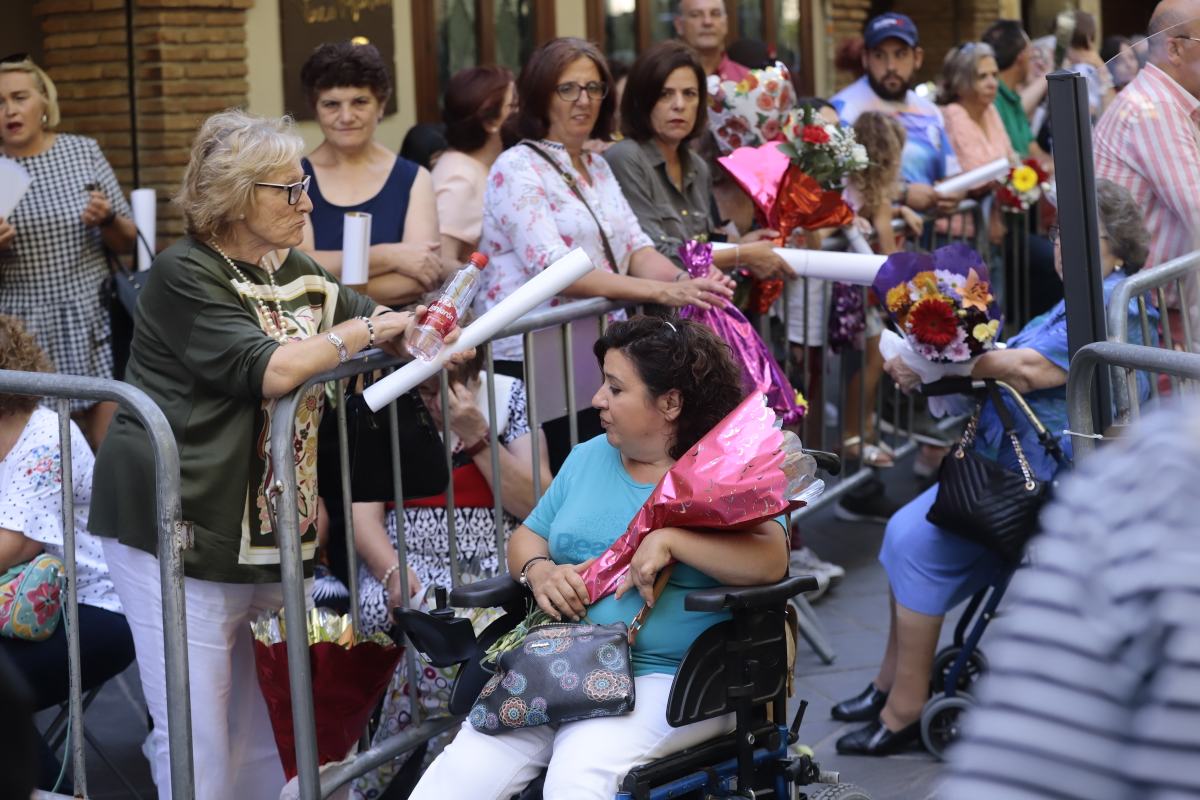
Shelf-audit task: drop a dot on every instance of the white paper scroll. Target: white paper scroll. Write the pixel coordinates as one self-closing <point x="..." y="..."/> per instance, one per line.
<point x="973" y="179"/>
<point x="356" y="248"/>
<point x="857" y="242"/>
<point x="541" y="287"/>
<point x="145" y="218"/>
<point x="14" y="181"/>
<point x="857" y="268"/>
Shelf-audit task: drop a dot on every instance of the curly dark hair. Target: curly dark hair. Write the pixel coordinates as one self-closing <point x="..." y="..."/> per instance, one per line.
<point x="19" y="351"/>
<point x="682" y="355"/>
<point x="337" y="64"/>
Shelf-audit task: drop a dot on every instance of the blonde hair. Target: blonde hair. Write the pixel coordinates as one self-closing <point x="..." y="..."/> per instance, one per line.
<point x="43" y="84"/>
<point x="884" y="139"/>
<point x="233" y="151"/>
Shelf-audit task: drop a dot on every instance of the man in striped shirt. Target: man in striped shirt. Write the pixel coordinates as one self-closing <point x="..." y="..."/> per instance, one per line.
<point x="1094" y="683"/>
<point x="1149" y="141"/>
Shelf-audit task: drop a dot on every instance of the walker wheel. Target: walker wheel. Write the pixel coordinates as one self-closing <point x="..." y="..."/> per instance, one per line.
<point x="941" y="721"/>
<point x="975" y="667"/>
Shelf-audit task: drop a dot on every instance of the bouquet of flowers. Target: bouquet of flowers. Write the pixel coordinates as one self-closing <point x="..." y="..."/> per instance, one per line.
<point x="942" y="302"/>
<point x="1023" y="187"/>
<point x="751" y="111"/>
<point x="796" y="183"/>
<point x="742" y="472"/>
<point x="760" y="372"/>
<point x="349" y="674"/>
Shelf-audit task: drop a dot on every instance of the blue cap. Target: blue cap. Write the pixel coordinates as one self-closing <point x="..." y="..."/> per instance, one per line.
<point x="890" y="26"/>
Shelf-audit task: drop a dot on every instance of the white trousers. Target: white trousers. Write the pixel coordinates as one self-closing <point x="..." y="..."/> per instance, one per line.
<point x="583" y="760"/>
<point x="232" y="742"/>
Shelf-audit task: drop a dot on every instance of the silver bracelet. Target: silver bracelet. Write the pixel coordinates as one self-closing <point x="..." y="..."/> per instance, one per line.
<point x="336" y="341"/>
<point x="370" y="331"/>
<point x="388" y="573"/>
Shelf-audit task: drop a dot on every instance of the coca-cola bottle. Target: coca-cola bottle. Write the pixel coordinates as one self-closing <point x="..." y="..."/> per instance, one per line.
<point x="425" y="341"/>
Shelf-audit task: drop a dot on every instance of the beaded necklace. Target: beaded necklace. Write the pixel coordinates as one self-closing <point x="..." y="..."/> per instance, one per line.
<point x="273" y="318"/>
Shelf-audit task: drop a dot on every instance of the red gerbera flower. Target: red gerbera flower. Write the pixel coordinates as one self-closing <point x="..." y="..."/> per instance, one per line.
<point x="933" y="322"/>
<point x="814" y="134"/>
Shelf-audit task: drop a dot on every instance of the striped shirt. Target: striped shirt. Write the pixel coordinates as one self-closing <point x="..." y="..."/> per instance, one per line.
<point x="1094" y="688"/>
<point x="1148" y="141"/>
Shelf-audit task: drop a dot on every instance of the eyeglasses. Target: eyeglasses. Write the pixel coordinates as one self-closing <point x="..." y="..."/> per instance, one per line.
<point x="294" y="190"/>
<point x="1053" y="234"/>
<point x="1189" y="38"/>
<point x="569" y="92"/>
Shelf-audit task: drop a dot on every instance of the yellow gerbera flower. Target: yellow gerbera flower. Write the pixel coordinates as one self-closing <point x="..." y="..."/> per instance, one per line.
<point x="1024" y="178"/>
<point x="897" y="298"/>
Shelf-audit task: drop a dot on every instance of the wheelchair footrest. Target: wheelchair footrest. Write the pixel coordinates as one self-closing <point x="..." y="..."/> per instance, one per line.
<point x="700" y="759"/>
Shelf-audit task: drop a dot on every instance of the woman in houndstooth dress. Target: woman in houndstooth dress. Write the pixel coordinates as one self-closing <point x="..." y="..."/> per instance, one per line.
<point x="52" y="262"/>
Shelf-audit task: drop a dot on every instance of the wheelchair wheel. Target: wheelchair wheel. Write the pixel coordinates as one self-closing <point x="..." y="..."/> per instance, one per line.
<point x="836" y="791"/>
<point x="941" y="721"/>
<point x="976" y="665"/>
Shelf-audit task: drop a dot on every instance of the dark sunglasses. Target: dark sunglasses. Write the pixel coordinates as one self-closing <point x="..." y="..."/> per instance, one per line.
<point x="295" y="190"/>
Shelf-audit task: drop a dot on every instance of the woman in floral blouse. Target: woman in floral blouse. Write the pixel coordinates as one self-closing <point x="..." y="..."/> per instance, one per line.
<point x="533" y="217"/>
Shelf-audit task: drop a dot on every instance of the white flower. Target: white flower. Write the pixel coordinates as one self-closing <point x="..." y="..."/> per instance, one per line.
<point x="858" y="154"/>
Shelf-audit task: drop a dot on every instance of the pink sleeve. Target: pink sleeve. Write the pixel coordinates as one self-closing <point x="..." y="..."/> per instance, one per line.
<point x="1168" y="155"/>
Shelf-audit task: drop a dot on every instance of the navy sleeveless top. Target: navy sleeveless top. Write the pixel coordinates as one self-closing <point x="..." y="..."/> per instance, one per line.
<point x="387" y="209"/>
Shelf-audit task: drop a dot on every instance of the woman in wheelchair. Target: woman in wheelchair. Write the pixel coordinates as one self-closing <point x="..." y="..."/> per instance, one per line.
<point x="666" y="383"/>
<point x="930" y="570"/>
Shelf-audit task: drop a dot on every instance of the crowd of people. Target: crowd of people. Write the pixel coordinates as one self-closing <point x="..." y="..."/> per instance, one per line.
<point x="622" y="161"/>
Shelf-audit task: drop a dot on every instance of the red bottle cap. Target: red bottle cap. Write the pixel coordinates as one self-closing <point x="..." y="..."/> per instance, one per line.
<point x="479" y="260"/>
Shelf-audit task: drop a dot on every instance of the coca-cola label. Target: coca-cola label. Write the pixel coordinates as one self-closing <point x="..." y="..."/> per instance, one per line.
<point x="441" y="317"/>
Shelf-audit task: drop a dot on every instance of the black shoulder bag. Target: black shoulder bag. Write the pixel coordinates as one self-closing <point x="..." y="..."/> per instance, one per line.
<point x="980" y="500"/>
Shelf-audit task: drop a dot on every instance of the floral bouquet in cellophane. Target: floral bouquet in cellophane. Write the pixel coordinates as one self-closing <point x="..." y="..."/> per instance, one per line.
<point x="1024" y="186"/>
<point x="796" y="182"/>
<point x="760" y="372"/>
<point x="349" y="674"/>
<point x="942" y="304"/>
<point x="742" y="472"/>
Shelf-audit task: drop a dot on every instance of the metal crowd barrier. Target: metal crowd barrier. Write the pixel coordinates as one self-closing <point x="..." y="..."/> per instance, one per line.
<point x="1119" y="355"/>
<point x="174" y="536"/>
<point x="1154" y="282"/>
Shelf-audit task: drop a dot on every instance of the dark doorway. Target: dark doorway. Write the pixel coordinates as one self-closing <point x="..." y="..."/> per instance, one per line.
<point x="1122" y="18"/>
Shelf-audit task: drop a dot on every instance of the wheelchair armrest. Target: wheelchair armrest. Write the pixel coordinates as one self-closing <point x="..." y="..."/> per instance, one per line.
<point x="445" y="640"/>
<point x="720" y="598"/>
<point x="494" y="592"/>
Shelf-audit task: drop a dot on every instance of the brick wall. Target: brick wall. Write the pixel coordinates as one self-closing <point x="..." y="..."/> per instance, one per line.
<point x="846" y="21"/>
<point x="189" y="61"/>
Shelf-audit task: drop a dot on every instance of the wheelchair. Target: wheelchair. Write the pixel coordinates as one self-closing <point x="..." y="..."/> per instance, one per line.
<point x="959" y="665"/>
<point x="739" y="666"/>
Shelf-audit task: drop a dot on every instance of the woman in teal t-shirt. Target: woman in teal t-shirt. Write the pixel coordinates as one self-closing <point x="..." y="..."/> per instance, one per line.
<point x="666" y="384"/>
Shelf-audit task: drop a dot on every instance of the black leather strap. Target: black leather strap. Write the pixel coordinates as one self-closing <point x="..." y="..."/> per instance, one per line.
<point x="574" y="187"/>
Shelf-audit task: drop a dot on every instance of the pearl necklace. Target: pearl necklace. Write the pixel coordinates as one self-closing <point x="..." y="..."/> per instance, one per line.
<point x="273" y="318"/>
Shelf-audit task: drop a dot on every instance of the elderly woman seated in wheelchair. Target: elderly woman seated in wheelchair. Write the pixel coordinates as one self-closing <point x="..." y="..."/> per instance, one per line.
<point x="665" y="384"/>
<point x="931" y="570"/>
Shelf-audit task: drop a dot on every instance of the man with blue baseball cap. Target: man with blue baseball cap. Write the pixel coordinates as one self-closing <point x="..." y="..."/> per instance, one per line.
<point x="892" y="55"/>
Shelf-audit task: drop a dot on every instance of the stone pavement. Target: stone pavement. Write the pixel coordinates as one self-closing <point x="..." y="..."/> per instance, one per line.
<point x="853" y="613"/>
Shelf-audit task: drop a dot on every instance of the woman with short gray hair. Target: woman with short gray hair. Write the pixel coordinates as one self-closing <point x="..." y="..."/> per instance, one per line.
<point x="232" y="317"/>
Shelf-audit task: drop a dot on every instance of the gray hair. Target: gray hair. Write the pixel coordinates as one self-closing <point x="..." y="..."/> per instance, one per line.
<point x="1128" y="238"/>
<point x="959" y="68"/>
<point x="233" y="151"/>
<point x="41" y="81"/>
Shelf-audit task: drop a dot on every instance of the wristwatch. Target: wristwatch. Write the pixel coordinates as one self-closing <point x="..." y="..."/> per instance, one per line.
<point x="336" y="341"/>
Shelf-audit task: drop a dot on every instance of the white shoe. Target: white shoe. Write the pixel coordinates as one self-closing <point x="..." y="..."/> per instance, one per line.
<point x="805" y="562"/>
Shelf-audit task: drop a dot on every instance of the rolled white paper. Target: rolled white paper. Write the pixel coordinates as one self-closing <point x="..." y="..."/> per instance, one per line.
<point x="973" y="179"/>
<point x="858" y="244"/>
<point x="145" y="218"/>
<point x="356" y="247"/>
<point x="857" y="268"/>
<point x="541" y="287"/>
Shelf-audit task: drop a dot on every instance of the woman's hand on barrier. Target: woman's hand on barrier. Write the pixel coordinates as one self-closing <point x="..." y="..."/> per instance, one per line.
<point x="700" y="292"/>
<point x="715" y="274"/>
<point x="558" y="589"/>
<point x="7" y="234"/>
<point x="761" y="260"/>
<point x="650" y="558"/>
<point x="418" y="260"/>
<point x="902" y="374"/>
<point x="395" y="596"/>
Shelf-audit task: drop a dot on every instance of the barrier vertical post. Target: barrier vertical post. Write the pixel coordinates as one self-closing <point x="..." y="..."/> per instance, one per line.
<point x="1079" y="226"/>
<point x="71" y="604"/>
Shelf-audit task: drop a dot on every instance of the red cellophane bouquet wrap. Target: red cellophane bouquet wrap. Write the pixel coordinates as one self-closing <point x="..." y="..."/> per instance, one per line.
<point x="742" y="472"/>
<point x="796" y="181"/>
<point x="349" y="674"/>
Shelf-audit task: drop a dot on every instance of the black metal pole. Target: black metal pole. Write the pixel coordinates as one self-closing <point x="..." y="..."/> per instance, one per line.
<point x="1083" y="281"/>
<point x="133" y="119"/>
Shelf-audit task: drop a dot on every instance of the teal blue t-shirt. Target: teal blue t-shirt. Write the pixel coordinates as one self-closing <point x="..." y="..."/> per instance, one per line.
<point x="588" y="505"/>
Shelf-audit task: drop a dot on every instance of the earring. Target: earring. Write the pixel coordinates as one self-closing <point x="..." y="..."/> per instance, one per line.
<point x="45" y="119"/>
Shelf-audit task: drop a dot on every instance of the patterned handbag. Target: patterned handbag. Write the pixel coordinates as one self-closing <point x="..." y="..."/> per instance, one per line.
<point x="31" y="599"/>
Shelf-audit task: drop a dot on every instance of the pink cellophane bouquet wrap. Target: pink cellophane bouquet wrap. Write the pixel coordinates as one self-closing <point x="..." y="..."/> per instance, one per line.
<point x="742" y="472"/>
<point x="760" y="372"/>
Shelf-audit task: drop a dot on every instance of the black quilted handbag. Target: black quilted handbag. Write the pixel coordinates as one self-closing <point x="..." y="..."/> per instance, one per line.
<point x="982" y="501"/>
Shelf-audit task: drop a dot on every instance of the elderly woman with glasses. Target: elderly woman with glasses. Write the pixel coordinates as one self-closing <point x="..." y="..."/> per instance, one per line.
<point x="232" y="318"/>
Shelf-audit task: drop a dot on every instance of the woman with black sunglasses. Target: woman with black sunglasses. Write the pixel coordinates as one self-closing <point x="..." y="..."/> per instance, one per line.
<point x="52" y="244"/>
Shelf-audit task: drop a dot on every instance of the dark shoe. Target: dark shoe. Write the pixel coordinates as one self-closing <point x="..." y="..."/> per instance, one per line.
<point x="875" y="506"/>
<point x="876" y="740"/>
<point x="863" y="707"/>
